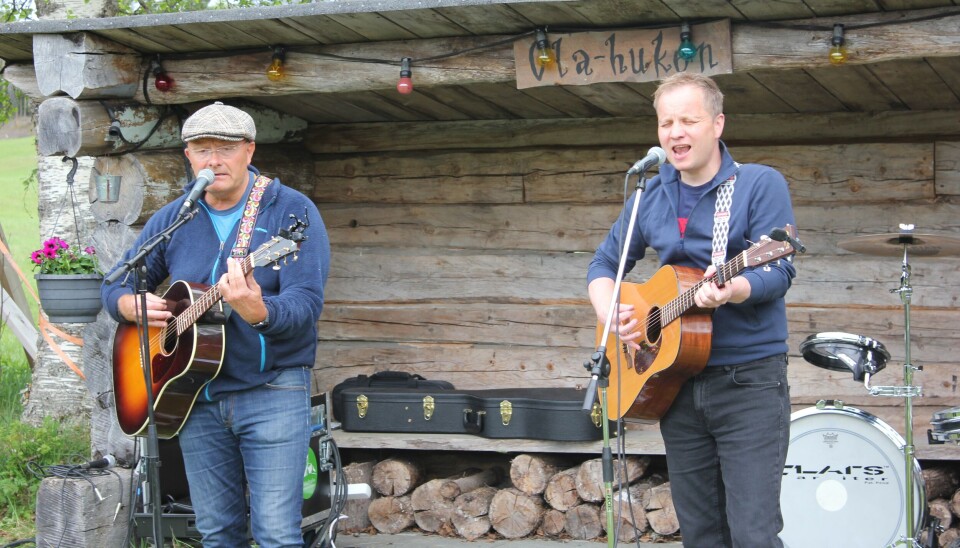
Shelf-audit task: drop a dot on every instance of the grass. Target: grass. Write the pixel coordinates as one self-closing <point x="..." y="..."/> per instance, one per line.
<point x="51" y="443"/>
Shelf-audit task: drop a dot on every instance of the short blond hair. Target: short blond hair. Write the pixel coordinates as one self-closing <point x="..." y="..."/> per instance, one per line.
<point x="712" y="96"/>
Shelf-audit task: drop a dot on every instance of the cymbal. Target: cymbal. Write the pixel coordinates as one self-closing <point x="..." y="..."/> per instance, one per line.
<point x="891" y="245"/>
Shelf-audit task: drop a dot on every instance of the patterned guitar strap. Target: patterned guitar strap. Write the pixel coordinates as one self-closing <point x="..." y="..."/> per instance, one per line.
<point x="721" y="224"/>
<point x="249" y="219"/>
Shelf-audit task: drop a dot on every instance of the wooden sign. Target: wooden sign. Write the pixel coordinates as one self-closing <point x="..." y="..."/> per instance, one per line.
<point x="629" y="55"/>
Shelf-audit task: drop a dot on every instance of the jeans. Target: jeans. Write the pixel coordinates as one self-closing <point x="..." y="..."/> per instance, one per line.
<point x="259" y="435"/>
<point x="726" y="438"/>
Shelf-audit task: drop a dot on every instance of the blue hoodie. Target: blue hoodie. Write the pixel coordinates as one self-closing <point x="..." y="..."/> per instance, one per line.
<point x="293" y="294"/>
<point x="742" y="332"/>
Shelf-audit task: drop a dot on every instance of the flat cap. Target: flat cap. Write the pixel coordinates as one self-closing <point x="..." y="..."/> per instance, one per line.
<point x="219" y="121"/>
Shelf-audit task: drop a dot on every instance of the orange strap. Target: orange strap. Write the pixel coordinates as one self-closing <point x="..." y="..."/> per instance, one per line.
<point x="46" y="328"/>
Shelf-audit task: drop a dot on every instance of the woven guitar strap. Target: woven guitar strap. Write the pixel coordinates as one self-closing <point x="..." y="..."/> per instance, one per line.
<point x="721" y="223"/>
<point x="249" y="219"/>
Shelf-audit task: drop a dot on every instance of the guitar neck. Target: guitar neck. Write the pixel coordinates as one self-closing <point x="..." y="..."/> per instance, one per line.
<point x="683" y="302"/>
<point x="210" y="297"/>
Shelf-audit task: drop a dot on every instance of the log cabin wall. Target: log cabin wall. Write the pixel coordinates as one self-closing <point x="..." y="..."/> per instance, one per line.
<point x="467" y="263"/>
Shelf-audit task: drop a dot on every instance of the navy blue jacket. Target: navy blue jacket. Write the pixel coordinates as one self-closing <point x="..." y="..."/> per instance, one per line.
<point x="293" y="294"/>
<point x="742" y="332"/>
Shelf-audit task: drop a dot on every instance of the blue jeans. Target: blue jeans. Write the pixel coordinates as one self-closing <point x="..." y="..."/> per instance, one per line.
<point x="260" y="435"/>
<point x="726" y="437"/>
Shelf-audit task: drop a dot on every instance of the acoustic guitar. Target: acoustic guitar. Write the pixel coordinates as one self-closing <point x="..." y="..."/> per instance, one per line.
<point x="676" y="333"/>
<point x="185" y="354"/>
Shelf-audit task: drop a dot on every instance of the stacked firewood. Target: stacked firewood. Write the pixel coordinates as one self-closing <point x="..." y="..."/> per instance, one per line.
<point x="539" y="495"/>
<point x="941" y="483"/>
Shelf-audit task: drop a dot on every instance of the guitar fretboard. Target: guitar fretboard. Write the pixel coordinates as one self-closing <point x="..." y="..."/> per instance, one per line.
<point x="209" y="298"/>
<point x="683" y="302"/>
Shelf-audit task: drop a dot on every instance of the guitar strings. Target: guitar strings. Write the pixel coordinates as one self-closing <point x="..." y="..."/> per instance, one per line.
<point x="213" y="295"/>
<point x="685" y="300"/>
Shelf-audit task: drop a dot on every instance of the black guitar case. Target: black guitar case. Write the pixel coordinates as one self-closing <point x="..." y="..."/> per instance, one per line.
<point x="518" y="413"/>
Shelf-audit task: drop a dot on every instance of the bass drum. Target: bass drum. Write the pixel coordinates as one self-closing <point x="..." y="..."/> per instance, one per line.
<point x="843" y="482"/>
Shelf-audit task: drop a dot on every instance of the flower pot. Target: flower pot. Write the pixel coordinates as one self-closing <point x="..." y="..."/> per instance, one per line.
<point x="70" y="298"/>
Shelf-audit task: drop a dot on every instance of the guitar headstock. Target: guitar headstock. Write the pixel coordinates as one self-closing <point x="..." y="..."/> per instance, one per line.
<point x="769" y="249"/>
<point x="273" y="250"/>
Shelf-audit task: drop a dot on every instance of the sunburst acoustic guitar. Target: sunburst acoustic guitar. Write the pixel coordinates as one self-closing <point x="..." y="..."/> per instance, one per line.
<point x="676" y="341"/>
<point x="185" y="354"/>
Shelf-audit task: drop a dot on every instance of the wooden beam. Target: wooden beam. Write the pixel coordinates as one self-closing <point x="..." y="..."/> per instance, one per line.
<point x="340" y="68"/>
<point x="765" y="129"/>
<point x="82" y="128"/>
<point x="22" y="326"/>
<point x="902" y="35"/>
<point x="85" y="66"/>
<point x="23" y="77"/>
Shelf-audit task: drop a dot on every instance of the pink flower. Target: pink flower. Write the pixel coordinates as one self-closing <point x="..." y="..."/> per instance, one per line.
<point x="37" y="257"/>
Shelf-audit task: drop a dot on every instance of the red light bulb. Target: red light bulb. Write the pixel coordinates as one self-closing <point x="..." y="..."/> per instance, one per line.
<point x="162" y="81"/>
<point x="405" y="83"/>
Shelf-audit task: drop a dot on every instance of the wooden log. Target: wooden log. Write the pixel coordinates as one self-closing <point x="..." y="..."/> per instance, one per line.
<point x="514" y="514"/>
<point x="71" y="513"/>
<point x="471" y="512"/>
<point x="82" y="128"/>
<point x="940" y="509"/>
<point x="661" y="514"/>
<point x="468" y="481"/>
<point x="955" y="503"/>
<point x="390" y="515"/>
<point x="630" y="518"/>
<point x="85" y="66"/>
<point x="583" y="522"/>
<point x="356" y="511"/>
<point x="554" y="522"/>
<point x="432" y="511"/>
<point x="76" y="9"/>
<point x="148" y="181"/>
<point x="947" y="537"/>
<point x="531" y="473"/>
<point x="590" y="476"/>
<point x="23" y="77"/>
<point x="397" y="476"/>
<point x="561" y="490"/>
<point x="940" y="481"/>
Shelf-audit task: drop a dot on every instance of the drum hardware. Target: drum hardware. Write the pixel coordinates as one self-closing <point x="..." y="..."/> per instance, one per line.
<point x="946" y="426"/>
<point x="903" y="244"/>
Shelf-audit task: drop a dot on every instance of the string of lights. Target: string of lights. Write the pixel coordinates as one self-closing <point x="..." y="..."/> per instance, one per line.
<point x="545" y="56"/>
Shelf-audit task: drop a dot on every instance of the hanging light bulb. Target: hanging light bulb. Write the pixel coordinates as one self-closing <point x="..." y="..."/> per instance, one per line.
<point x="838" y="52"/>
<point x="275" y="70"/>
<point x="161" y="80"/>
<point x="405" y="83"/>
<point x="687" y="49"/>
<point x="545" y="57"/>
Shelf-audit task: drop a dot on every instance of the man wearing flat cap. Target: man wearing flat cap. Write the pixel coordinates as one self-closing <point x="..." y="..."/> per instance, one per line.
<point x="249" y="427"/>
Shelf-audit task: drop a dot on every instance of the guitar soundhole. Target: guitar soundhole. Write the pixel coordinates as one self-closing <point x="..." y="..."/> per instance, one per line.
<point x="649" y="346"/>
<point x="170" y="339"/>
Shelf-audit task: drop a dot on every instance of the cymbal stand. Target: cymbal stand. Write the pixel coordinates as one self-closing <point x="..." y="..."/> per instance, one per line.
<point x="907" y="392"/>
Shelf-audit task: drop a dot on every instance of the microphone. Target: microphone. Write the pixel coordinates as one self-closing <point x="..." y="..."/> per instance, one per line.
<point x="781" y="235"/>
<point x="655" y="156"/>
<point x="108" y="461"/>
<point x="204" y="178"/>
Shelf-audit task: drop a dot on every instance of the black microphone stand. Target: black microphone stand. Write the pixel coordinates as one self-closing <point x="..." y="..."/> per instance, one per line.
<point x="137" y="265"/>
<point x="599" y="367"/>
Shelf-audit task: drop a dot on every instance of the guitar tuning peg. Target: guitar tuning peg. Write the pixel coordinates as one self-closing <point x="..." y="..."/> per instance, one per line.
<point x="276" y="266"/>
<point x="296" y="257"/>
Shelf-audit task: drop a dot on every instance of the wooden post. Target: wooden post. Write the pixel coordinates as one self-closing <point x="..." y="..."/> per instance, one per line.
<point x="84" y="512"/>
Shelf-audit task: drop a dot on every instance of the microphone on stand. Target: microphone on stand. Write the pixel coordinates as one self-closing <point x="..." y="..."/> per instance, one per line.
<point x="655" y="156"/>
<point x="204" y="178"/>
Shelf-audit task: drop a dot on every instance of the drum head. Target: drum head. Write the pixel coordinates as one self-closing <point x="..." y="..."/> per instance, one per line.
<point x="843" y="482"/>
<point x="845" y="352"/>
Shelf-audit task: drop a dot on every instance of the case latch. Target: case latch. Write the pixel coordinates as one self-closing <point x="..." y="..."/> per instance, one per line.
<point x="596" y="414"/>
<point x="362" y="404"/>
<point x="428" y="407"/>
<point x="506" y="412"/>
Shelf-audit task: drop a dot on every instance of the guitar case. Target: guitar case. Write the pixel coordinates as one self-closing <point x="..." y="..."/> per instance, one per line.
<point x="512" y="413"/>
<point x="382" y="379"/>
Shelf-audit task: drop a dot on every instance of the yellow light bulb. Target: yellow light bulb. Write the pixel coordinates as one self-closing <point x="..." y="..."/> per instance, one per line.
<point x="838" y="55"/>
<point x="545" y="57"/>
<point x="275" y="70"/>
